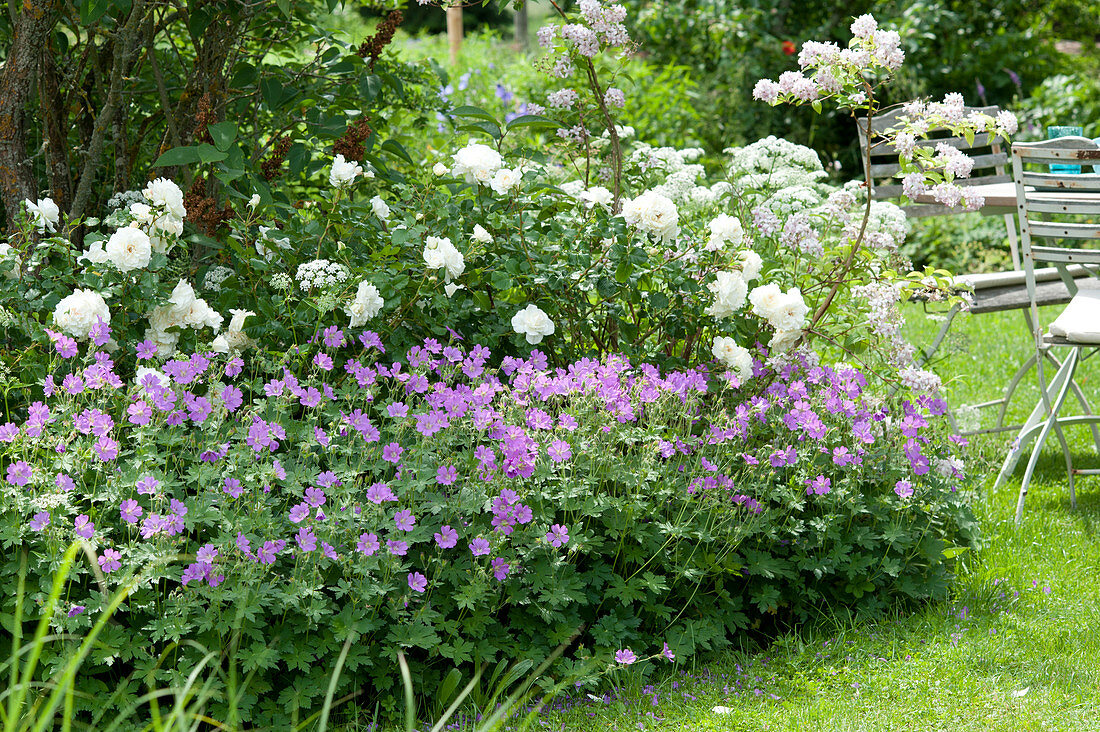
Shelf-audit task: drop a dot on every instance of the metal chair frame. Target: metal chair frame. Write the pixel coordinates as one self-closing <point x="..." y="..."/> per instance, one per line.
<point x="1041" y="196"/>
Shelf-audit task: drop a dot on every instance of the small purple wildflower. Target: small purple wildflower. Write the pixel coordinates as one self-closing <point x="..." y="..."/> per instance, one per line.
<point x="368" y="544"/>
<point x="903" y="488"/>
<point x="446" y="475"/>
<point x="75" y="610"/>
<point x="397" y="547"/>
<point x="130" y="511"/>
<point x="82" y="527"/>
<point x="233" y="487"/>
<point x="405" y="520"/>
<point x="39" y="521"/>
<point x="307" y="542"/>
<point x="20" y="473"/>
<point x="479" y="547"/>
<point x="558" y="535"/>
<point x="500" y="569"/>
<point x="625" y="656"/>
<point x="108" y="560"/>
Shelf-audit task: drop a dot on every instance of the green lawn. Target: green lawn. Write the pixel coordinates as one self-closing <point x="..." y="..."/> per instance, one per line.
<point x="1016" y="648"/>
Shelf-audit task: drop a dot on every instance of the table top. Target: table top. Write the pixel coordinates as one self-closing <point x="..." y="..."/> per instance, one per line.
<point x="1001" y="197"/>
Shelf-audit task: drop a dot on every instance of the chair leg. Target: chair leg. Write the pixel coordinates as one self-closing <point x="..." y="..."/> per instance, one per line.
<point x="927" y="353"/>
<point x="1083" y="400"/>
<point x="1049" y="423"/>
<point x="1010" y="390"/>
<point x="1069" y="463"/>
<point x="1033" y="425"/>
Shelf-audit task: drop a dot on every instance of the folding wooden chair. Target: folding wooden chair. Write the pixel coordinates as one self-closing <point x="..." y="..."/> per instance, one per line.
<point x="1056" y="208"/>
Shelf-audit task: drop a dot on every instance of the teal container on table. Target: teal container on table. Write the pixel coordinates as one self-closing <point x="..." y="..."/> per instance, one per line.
<point x="1057" y="131"/>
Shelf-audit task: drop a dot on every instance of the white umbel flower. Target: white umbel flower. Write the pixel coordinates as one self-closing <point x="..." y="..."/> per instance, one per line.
<point x="734" y="357"/>
<point x="532" y="323"/>
<point x="77" y="313"/>
<point x="655" y="214"/>
<point x="367" y="303"/>
<point x="129" y="248"/>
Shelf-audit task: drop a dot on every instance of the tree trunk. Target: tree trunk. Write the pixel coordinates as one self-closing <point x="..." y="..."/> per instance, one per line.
<point x="31" y="34"/>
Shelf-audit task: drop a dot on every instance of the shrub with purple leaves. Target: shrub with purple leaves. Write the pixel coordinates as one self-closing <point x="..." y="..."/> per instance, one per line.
<point x="459" y="508"/>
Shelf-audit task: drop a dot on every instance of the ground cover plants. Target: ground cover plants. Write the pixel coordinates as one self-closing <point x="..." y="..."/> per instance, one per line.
<point x="545" y="389"/>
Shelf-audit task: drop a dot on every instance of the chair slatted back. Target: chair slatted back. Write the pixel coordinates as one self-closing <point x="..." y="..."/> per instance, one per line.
<point x="990" y="159"/>
<point x="1057" y="206"/>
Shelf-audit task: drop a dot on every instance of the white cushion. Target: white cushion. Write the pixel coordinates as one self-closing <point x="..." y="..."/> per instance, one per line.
<point x="1080" y="321"/>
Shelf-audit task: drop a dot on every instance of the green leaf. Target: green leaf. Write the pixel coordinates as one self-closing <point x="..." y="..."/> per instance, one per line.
<point x="284" y="7"/>
<point x="210" y="154"/>
<point x="533" y="120"/>
<point x="392" y="146"/>
<point x="271" y="90"/>
<point x="953" y="551"/>
<point x="500" y="280"/>
<point x="92" y="10"/>
<point x="476" y="112"/>
<point x="490" y="128"/>
<point x="223" y="134"/>
<point x="186" y="155"/>
<point x="369" y="86"/>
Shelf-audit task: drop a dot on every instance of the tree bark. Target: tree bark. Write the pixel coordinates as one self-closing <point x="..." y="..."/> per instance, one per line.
<point x="56" y="130"/>
<point x="31" y="34"/>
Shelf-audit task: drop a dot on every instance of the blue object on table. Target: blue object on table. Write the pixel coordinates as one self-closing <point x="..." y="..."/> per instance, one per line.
<point x="1064" y="131"/>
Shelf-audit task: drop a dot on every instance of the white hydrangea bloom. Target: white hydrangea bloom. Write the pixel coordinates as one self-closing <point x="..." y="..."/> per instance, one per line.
<point x="477" y="163"/>
<point x="78" y="312"/>
<point x="734" y="357"/>
<point x="654" y="214"/>
<point x="368" y="303"/>
<point x="129" y="248"/>
<point x="532" y="323"/>
<point x="344" y="172"/>
<point x="730" y="291"/>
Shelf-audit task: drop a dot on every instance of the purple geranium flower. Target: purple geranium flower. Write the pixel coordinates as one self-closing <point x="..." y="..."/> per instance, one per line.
<point x="500" y="569"/>
<point x="368" y="544"/>
<point x="558" y="535"/>
<point x="307" y="542"/>
<point x="417" y="582"/>
<point x="130" y="511"/>
<point x="405" y="520"/>
<point x="20" y="473"/>
<point x="446" y="475"/>
<point x="625" y="656"/>
<point x="903" y="488"/>
<point x="397" y="547"/>
<point x="233" y="487"/>
<point x="108" y="560"/>
<point x="380" y="493"/>
<point x="446" y="538"/>
<point x="82" y="527"/>
<point x="479" y="547"/>
<point x="39" y="521"/>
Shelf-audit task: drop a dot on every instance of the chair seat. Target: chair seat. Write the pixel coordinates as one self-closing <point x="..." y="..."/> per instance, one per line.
<point x="1080" y="321"/>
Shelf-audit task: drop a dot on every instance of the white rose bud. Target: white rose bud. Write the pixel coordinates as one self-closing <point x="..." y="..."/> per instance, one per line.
<point x="481" y="235"/>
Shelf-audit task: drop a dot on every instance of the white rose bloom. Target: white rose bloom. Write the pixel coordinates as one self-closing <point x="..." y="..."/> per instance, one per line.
<point x="254" y="201"/>
<point x="751" y="264"/>
<point x="783" y="341"/>
<point x="163" y="192"/>
<point x="732" y="356"/>
<point x="343" y="172"/>
<point x="532" y="323"/>
<point x="790" y="312"/>
<point x="234" y="338"/>
<point x="440" y="253"/>
<point x="477" y="163"/>
<point x="654" y="214"/>
<point x="45" y="214"/>
<point x="440" y="169"/>
<point x="597" y="195"/>
<point x="165" y="340"/>
<point x="94" y="254"/>
<point x="481" y="235"/>
<point x="129" y="248"/>
<point x="160" y="376"/>
<point x="181" y="300"/>
<point x="730" y="290"/>
<point x="379" y="207"/>
<point x="367" y="303"/>
<point x="451" y="288"/>
<point x="77" y="313"/>
<point x="505" y="181"/>
<point x="725" y="229"/>
<point x="201" y="314"/>
<point x="572" y="188"/>
<point x="765" y="299"/>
